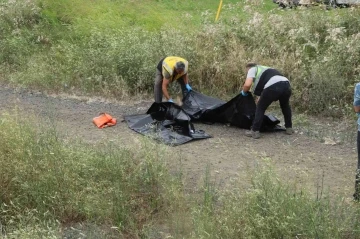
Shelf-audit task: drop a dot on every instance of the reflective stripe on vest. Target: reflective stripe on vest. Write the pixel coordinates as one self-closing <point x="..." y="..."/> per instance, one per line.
<point x="169" y="65"/>
<point x="259" y="70"/>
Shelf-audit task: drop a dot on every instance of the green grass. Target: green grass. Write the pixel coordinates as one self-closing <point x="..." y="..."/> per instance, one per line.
<point x="150" y="15"/>
<point x="271" y="208"/>
<point x="45" y="180"/>
<point x="53" y="187"/>
<point x="110" y="48"/>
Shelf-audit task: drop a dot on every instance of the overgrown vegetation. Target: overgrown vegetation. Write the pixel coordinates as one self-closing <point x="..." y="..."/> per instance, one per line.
<point x="47" y="182"/>
<point x="272" y="209"/>
<point x="112" y="47"/>
<point x="54" y="188"/>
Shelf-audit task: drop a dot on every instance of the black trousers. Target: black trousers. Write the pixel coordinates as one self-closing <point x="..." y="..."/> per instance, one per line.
<point x="280" y="91"/>
<point x="357" y="177"/>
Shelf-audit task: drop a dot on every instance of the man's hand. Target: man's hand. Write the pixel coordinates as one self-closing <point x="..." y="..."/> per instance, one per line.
<point x="243" y="93"/>
<point x="188" y="87"/>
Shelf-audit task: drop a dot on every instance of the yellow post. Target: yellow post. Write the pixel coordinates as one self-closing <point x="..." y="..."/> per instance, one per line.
<point x="218" y="11"/>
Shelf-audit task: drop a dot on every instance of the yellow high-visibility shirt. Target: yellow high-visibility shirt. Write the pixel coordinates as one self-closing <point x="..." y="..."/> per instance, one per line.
<point x="168" y="67"/>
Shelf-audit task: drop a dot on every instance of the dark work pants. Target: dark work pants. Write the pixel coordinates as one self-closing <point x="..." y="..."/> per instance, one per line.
<point x="357" y="177"/>
<point x="158" y="93"/>
<point x="280" y="91"/>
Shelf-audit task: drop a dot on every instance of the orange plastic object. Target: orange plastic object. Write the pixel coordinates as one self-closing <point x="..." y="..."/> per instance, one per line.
<point x="104" y="120"/>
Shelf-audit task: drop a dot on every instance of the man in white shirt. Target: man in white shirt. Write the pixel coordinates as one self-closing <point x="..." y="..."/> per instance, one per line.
<point x="270" y="85"/>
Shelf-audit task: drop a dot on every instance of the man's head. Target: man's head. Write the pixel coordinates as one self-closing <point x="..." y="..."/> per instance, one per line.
<point x="180" y="67"/>
<point x="250" y="65"/>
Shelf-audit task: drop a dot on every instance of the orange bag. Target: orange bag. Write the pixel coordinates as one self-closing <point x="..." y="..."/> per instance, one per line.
<point x="104" y="120"/>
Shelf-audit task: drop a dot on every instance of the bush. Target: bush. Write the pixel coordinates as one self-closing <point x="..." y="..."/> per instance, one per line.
<point x="17" y="19"/>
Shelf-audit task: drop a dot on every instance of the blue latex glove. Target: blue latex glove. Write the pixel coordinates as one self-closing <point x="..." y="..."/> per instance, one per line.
<point x="188" y="87"/>
<point x="170" y="100"/>
<point x="244" y="93"/>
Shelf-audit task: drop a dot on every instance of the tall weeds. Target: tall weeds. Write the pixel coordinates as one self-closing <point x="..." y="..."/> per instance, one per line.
<point x="316" y="49"/>
<point x="273" y="209"/>
<point x="47" y="182"/>
<point x="52" y="188"/>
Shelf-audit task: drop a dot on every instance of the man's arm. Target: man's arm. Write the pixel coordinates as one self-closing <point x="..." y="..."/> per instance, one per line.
<point x="247" y="84"/>
<point x="251" y="73"/>
<point x="165" y="84"/>
<point x="186" y="79"/>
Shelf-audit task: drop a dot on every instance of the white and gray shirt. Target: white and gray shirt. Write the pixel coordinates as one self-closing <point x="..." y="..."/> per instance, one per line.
<point x="275" y="79"/>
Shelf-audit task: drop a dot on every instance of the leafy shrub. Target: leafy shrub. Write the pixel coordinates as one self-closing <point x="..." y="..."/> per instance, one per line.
<point x="316" y="50"/>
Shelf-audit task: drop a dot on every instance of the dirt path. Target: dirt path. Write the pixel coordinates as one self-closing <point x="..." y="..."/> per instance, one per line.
<point x="229" y="153"/>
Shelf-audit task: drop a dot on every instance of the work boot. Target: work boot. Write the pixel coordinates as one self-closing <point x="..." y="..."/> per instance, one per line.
<point x="253" y="134"/>
<point x="289" y="131"/>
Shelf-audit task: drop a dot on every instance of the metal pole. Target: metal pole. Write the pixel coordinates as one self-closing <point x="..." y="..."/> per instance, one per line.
<point x="218" y="11"/>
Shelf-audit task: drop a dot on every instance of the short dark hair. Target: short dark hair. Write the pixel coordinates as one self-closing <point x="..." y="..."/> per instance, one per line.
<point x="180" y="65"/>
<point x="251" y="64"/>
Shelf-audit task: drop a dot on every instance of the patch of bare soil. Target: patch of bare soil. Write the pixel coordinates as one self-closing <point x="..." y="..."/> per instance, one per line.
<point x="300" y="157"/>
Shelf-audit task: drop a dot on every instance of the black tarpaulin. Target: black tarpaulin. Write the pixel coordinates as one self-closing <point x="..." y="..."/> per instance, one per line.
<point x="196" y="104"/>
<point x="167" y="123"/>
<point x="239" y="111"/>
<point x="171" y="124"/>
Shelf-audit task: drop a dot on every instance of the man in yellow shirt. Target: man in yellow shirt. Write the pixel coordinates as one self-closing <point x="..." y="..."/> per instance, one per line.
<point x="170" y="69"/>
